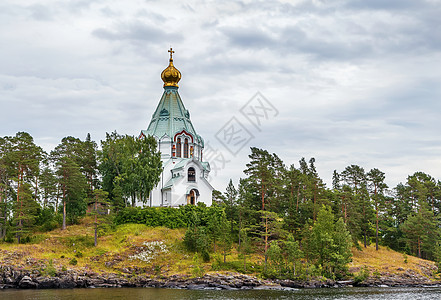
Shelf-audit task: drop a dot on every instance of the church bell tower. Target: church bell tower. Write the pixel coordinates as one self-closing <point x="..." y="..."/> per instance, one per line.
<point x="184" y="177"/>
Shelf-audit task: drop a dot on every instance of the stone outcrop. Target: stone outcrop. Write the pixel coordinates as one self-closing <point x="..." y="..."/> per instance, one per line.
<point x="34" y="279"/>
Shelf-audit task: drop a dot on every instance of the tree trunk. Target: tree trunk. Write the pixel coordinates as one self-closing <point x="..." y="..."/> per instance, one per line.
<point x="419" y="247"/>
<point x="58" y="197"/>
<point x="376" y="216"/>
<point x="96" y="233"/>
<point x="36" y="188"/>
<point x="96" y="224"/>
<point x="298" y="196"/>
<point x="64" y="207"/>
<point x="314" y="214"/>
<point x="364" y="218"/>
<point x="20" y="178"/>
<point x="266" y="242"/>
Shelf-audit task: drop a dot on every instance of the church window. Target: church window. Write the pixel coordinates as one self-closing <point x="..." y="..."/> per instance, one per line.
<point x="178" y="147"/>
<point x="186" y="148"/>
<point x="191" y="174"/>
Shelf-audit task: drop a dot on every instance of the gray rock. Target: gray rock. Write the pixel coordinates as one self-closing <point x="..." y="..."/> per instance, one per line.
<point x="66" y="283"/>
<point x="6" y="286"/>
<point x="27" y="283"/>
<point x="196" y="286"/>
<point x="48" y="282"/>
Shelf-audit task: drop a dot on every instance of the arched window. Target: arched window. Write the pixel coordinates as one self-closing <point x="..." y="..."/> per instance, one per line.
<point x="186" y="148"/>
<point x="191" y="174"/>
<point x="178" y="147"/>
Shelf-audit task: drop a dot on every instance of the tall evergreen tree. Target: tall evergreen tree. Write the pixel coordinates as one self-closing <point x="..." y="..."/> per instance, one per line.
<point x="264" y="170"/>
<point x="377" y="187"/>
<point x="73" y="183"/>
<point x="357" y="202"/>
<point x="421" y="233"/>
<point x="24" y="159"/>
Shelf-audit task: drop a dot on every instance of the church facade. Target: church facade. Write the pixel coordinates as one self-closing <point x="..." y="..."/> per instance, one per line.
<point x="184" y="177"/>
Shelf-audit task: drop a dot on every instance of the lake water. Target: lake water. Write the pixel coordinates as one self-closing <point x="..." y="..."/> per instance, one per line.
<point x="173" y="294"/>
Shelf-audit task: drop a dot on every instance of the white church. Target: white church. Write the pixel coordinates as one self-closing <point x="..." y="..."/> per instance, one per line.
<point x="184" y="177"/>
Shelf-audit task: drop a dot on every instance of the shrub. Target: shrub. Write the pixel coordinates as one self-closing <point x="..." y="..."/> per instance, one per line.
<point x="184" y="216"/>
<point x="49" y="269"/>
<point x="362" y="275"/>
<point x="79" y="242"/>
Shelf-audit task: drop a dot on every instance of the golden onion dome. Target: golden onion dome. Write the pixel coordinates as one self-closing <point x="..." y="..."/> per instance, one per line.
<point x="171" y="75"/>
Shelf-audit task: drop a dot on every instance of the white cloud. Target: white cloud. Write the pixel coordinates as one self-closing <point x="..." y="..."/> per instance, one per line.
<point x="355" y="82"/>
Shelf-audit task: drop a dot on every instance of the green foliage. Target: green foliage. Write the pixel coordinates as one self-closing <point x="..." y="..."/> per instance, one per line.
<point x="78" y="242"/>
<point x="293" y="253"/>
<point x="328" y="244"/>
<point x="104" y="229"/>
<point x="47" y="219"/>
<point x="237" y="266"/>
<point x="276" y="259"/>
<point x="274" y="208"/>
<point x="196" y="240"/>
<point x="169" y="217"/>
<point x="48" y="269"/>
<point x="197" y="268"/>
<point x="421" y="233"/>
<point x="38" y="238"/>
<point x="405" y="258"/>
<point x="68" y="158"/>
<point x="130" y="167"/>
<point x="73" y="262"/>
<point x="362" y="275"/>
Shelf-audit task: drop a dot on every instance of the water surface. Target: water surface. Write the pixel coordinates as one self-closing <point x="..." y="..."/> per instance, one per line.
<point x="174" y="294"/>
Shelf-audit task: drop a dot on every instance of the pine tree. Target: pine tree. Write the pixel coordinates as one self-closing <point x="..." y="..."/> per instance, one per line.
<point x="377" y="187"/>
<point x="72" y="182"/>
<point x="421" y="233"/>
<point x="48" y="186"/>
<point x="357" y="202"/>
<point x="24" y="159"/>
<point x="100" y="200"/>
<point x="264" y="172"/>
<point x="5" y="183"/>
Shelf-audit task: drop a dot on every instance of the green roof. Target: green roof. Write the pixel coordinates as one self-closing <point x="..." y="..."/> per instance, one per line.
<point x="171" y="117"/>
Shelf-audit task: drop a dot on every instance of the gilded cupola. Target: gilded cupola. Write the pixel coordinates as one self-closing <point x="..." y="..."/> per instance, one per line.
<point x="171" y="75"/>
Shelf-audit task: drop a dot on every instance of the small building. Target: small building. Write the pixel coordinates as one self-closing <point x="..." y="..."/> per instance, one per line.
<point x="102" y="208"/>
<point x="184" y="176"/>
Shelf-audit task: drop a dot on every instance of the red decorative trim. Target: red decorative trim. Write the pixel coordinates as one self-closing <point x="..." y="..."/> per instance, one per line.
<point x="183" y="132"/>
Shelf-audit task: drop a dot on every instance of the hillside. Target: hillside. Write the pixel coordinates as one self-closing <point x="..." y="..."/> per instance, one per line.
<point x="387" y="265"/>
<point x="132" y="250"/>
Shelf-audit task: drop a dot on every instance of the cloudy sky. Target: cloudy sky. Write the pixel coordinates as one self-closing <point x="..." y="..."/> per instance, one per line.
<point x="346" y="82"/>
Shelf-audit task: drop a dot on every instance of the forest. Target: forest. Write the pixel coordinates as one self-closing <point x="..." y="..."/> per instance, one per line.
<point x="283" y="212"/>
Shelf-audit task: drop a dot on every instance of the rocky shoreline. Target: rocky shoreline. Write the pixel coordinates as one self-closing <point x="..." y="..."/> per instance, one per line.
<point x="11" y="278"/>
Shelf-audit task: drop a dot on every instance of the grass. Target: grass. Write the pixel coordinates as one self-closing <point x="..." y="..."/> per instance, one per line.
<point x="74" y="248"/>
<point x="117" y="247"/>
<point x="386" y="261"/>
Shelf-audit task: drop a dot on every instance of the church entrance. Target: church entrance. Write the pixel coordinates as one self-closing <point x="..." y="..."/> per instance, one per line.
<point x="191" y="197"/>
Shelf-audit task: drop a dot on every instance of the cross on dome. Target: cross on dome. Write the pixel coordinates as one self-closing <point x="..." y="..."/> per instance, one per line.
<point x="171" y="52"/>
<point x="171" y="75"/>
